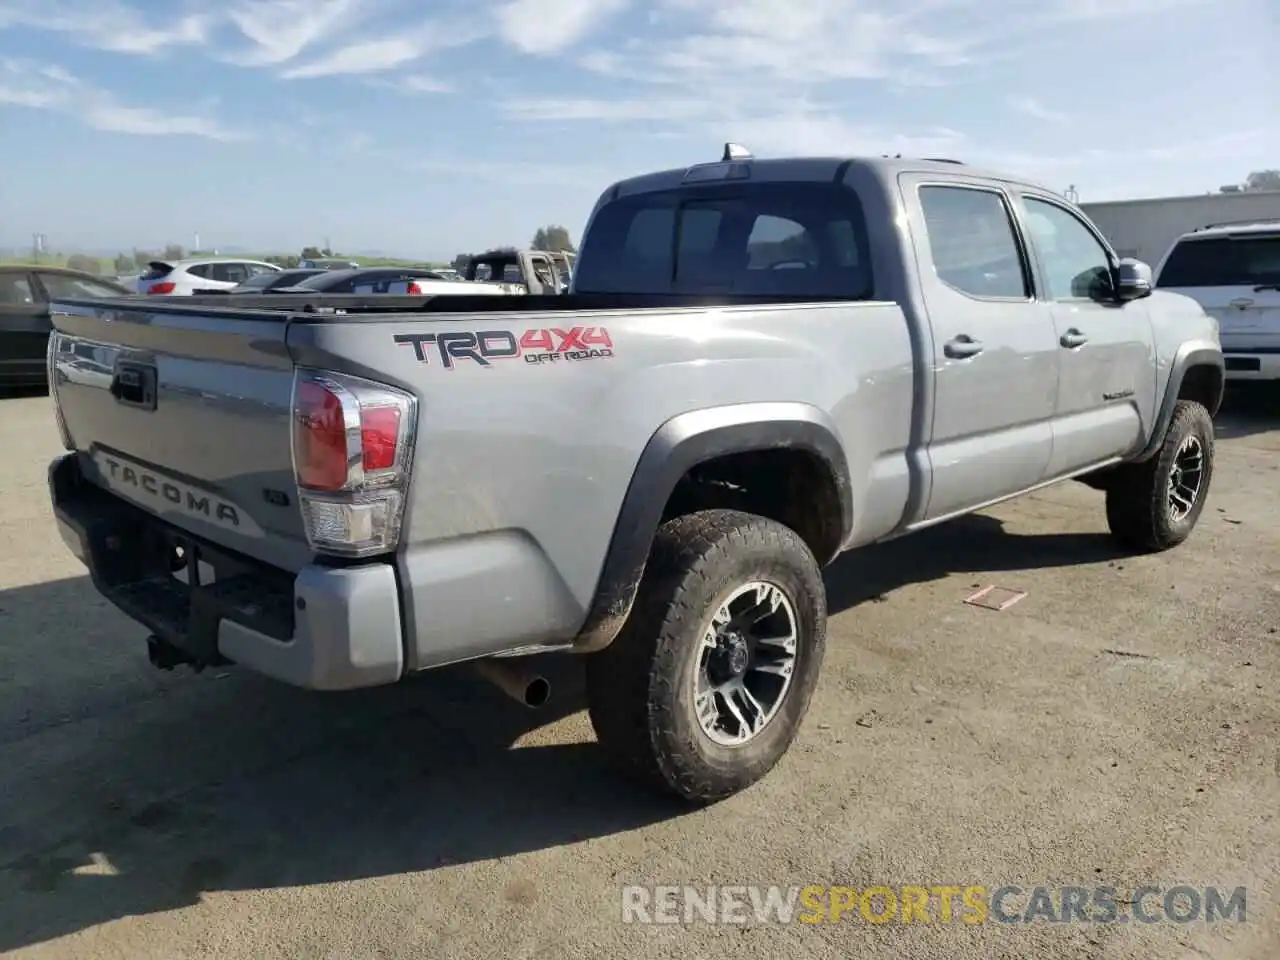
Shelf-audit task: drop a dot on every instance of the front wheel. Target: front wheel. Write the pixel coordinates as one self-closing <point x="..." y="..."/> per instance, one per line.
<point x="705" y="687"/>
<point x="1154" y="505"/>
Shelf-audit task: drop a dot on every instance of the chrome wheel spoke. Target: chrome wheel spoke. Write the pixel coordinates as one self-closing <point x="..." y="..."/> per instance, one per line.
<point x="1186" y="477"/>
<point x="746" y="662"/>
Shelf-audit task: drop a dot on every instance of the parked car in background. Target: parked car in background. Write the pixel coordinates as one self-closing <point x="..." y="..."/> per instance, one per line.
<point x="25" y="293"/>
<point x="1233" y="271"/>
<point x="267" y="282"/>
<point x="182" y="278"/>
<point x="405" y="281"/>
<point x="329" y="263"/>
<point x="538" y="271"/>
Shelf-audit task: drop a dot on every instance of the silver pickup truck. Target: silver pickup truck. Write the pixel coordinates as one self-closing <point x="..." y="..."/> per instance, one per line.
<point x="762" y="363"/>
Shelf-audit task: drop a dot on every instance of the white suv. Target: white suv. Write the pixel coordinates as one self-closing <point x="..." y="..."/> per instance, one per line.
<point x="182" y="278"/>
<point x="1233" y="271"/>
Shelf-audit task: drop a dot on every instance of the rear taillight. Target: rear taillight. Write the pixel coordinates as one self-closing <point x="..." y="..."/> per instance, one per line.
<point x="352" y="452"/>
<point x="413" y="290"/>
<point x="162" y="288"/>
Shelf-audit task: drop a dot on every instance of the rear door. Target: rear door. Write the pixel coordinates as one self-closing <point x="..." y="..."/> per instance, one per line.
<point x="995" y="351"/>
<point x="24" y="326"/>
<point x="1107" y="365"/>
<point x="1236" y="278"/>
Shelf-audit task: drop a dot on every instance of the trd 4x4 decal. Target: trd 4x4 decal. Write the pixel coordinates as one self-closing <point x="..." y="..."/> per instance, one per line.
<point x="548" y="345"/>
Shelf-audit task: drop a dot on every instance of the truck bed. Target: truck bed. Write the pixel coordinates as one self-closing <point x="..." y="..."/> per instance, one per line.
<point x="352" y="306"/>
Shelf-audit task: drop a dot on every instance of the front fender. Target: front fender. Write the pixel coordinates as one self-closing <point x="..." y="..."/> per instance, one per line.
<point x="1193" y="353"/>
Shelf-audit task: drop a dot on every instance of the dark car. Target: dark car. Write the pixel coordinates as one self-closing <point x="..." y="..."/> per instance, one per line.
<point x="365" y="280"/>
<point x="25" y="293"/>
<point x="267" y="282"/>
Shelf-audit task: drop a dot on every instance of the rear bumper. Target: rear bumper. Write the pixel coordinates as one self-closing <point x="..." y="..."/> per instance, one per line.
<point x="325" y="628"/>
<point x="1251" y="365"/>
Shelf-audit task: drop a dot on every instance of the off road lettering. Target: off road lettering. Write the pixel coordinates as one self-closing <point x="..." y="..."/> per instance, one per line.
<point x="538" y="346"/>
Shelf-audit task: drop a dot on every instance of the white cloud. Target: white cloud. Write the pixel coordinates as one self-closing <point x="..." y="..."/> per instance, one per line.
<point x="50" y="87"/>
<point x="367" y="56"/>
<point x="1033" y="108"/>
<point x="280" y="30"/>
<point x="402" y="47"/>
<point x="413" y="84"/>
<point x="549" y="26"/>
<point x="110" y="25"/>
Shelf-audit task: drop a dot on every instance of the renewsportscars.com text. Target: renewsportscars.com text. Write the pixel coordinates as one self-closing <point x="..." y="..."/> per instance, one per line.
<point x="971" y="904"/>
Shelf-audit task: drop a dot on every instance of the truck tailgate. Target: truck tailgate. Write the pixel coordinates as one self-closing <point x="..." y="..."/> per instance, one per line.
<point x="185" y="413"/>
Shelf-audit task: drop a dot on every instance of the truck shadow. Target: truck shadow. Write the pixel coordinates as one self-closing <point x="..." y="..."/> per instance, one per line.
<point x="1248" y="409"/>
<point x="972" y="543"/>
<point x="127" y="791"/>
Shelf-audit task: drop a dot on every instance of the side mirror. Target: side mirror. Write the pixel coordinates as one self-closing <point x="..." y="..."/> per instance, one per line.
<point x="1133" y="280"/>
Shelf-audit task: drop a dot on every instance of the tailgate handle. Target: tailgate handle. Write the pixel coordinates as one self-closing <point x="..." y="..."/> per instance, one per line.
<point x="134" y="385"/>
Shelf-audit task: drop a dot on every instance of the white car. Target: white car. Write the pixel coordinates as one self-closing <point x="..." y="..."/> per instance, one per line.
<point x="1233" y="271"/>
<point x="182" y="278"/>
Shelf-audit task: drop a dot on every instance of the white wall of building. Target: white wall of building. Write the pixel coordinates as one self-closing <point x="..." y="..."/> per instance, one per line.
<point x="1146" y="229"/>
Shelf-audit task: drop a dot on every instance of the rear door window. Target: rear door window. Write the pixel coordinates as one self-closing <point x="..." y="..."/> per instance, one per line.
<point x="15" y="290"/>
<point x="230" y="272"/>
<point x="972" y="242"/>
<point x="785" y="239"/>
<point x="1239" y="261"/>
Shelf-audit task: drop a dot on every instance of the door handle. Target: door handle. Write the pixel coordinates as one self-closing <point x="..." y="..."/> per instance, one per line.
<point x="962" y="347"/>
<point x="1242" y="303"/>
<point x="1073" y="338"/>
<point x="134" y="385"/>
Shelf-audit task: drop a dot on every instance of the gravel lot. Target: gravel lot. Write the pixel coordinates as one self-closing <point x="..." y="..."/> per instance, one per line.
<point x="1120" y="726"/>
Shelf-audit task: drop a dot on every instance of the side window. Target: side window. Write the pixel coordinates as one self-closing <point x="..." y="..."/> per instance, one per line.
<point x="230" y="272"/>
<point x="1076" y="265"/>
<point x="257" y="269"/>
<point x="201" y="270"/>
<point x="15" y="290"/>
<point x="972" y="242"/>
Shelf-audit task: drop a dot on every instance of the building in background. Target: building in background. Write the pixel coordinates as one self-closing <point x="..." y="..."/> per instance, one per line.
<point x="1146" y="229"/>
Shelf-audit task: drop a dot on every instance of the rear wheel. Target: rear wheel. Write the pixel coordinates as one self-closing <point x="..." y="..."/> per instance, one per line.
<point x="1154" y="505"/>
<point x="705" y="687"/>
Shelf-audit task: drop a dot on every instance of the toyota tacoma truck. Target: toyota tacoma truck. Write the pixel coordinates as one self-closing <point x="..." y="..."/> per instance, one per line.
<point x="761" y="364"/>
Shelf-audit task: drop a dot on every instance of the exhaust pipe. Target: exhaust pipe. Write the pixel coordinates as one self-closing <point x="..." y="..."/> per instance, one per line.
<point x="524" y="686"/>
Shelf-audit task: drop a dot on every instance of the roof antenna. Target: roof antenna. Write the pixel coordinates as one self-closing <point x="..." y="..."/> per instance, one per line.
<point x="735" y="151"/>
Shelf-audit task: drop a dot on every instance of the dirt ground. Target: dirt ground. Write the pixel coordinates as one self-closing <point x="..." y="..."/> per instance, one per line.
<point x="1118" y="726"/>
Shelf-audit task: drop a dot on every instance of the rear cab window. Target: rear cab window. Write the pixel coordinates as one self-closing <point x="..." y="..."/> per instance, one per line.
<point x="764" y="239"/>
<point x="1240" y="260"/>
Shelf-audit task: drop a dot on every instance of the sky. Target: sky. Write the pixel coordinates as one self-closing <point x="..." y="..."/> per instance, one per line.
<point x="436" y="127"/>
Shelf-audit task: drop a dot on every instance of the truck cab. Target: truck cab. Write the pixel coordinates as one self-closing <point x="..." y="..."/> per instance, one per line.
<point x="538" y="271"/>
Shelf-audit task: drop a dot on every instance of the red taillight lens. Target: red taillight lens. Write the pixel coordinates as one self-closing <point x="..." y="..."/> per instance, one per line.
<point x="379" y="433"/>
<point x="320" y="438"/>
<point x="353" y="445"/>
<point x="413" y="290"/>
<point x="161" y="288"/>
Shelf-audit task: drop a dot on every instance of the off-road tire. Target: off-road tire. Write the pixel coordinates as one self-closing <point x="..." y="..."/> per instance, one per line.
<point x="1138" y="510"/>
<point x="639" y="687"/>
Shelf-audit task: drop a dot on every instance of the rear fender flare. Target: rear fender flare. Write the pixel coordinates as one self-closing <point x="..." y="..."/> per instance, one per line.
<point x="677" y="446"/>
